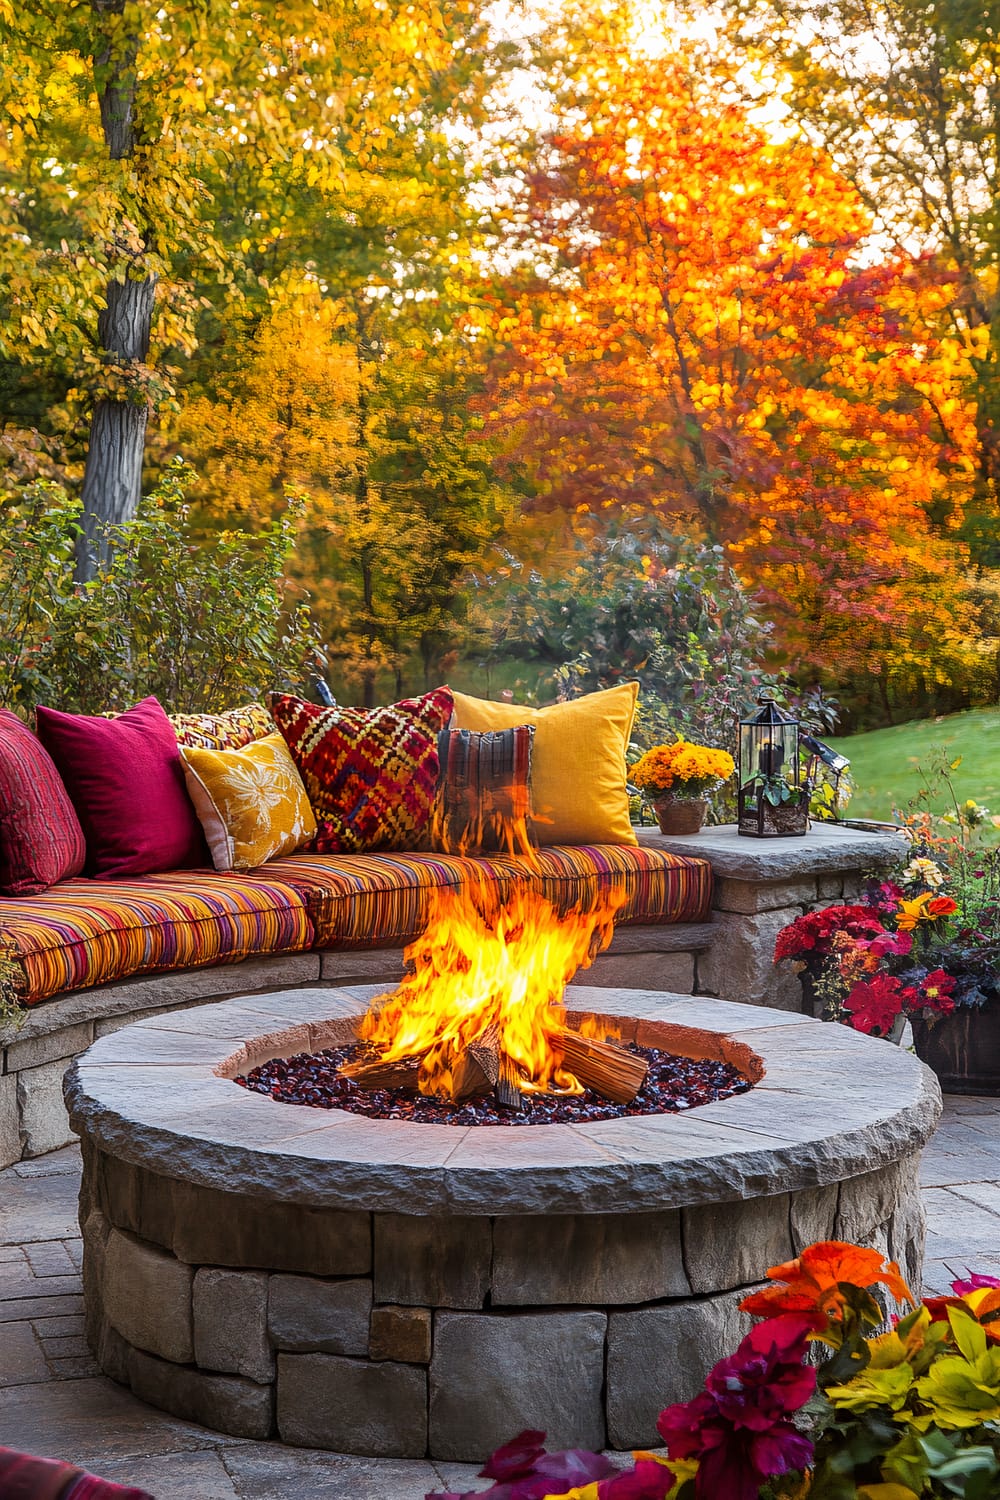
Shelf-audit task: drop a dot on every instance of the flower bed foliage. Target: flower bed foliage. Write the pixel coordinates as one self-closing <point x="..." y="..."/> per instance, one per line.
<point x="921" y="944"/>
<point x="825" y="1399"/>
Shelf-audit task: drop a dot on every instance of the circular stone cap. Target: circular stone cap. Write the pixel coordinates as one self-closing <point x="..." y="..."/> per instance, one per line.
<point x="829" y="1104"/>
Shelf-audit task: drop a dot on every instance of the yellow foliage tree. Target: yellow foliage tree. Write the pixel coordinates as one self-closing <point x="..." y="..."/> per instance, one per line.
<point x="364" y="411"/>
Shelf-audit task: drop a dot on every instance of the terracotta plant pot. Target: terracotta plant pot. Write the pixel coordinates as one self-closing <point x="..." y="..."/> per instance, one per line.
<point x="963" y="1049"/>
<point x="680" y="814"/>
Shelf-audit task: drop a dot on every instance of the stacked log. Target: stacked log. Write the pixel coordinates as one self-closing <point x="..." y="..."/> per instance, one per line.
<point x="604" y="1067"/>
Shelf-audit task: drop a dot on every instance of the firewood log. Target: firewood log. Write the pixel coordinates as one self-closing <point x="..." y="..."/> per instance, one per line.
<point x="608" y="1070"/>
<point x="477" y="1071"/>
<point x="401" y="1073"/>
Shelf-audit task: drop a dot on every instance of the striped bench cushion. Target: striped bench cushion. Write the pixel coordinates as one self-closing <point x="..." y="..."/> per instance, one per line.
<point x="87" y="932"/>
<point x="377" y="900"/>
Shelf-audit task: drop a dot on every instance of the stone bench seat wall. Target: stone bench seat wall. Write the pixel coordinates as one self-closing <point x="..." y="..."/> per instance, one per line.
<point x="760" y="886"/>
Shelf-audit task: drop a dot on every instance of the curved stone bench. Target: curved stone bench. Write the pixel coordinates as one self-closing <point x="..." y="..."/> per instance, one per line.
<point x="393" y="1289"/>
<point x="760" y="886"/>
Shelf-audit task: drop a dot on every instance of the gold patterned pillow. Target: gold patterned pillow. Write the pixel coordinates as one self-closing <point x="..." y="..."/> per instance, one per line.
<point x="251" y="802"/>
<point x="230" y="730"/>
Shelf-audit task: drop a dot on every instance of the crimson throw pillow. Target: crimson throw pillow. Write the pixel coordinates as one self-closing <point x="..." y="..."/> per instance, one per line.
<point x="41" y="840"/>
<point x="370" y="773"/>
<point x="126" y="781"/>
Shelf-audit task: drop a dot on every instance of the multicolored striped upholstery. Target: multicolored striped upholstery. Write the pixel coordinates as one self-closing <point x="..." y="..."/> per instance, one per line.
<point x="87" y="932"/>
<point x="660" y="888"/>
<point x="376" y="900"/>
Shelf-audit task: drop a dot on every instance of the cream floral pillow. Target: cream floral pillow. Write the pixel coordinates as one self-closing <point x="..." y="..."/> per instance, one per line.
<point x="251" y="802"/>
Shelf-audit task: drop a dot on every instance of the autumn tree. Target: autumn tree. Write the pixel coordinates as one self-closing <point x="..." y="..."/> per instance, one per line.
<point x="905" y="97"/>
<point x="705" y="330"/>
<point x="359" y="406"/>
<point x="150" y="153"/>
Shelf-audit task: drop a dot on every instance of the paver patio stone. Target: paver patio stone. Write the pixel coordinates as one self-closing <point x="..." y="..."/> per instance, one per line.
<point x="39" y="1208"/>
<point x="181" y="1476"/>
<point x="21" y="1359"/>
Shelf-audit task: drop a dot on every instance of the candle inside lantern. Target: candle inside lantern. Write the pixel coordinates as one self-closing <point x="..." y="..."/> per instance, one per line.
<point x="771" y="759"/>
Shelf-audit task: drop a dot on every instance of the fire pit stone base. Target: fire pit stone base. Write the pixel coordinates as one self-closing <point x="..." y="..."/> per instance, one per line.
<point x="238" y="1273"/>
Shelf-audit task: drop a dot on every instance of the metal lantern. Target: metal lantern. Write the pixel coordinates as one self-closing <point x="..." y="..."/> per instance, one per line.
<point x="773" y="794"/>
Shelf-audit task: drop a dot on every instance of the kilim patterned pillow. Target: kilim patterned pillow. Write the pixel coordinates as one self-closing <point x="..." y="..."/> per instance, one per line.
<point x="371" y="774"/>
<point x="231" y="730"/>
<point x="483" y="802"/>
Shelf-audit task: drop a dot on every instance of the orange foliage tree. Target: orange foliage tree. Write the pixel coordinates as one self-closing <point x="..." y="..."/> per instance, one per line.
<point x="703" y="327"/>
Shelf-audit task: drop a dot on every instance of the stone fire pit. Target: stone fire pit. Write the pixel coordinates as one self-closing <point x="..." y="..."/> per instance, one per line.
<point x="392" y="1289"/>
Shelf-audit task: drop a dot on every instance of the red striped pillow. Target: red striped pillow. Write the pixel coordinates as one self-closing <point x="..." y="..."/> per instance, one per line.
<point x="41" y="840"/>
<point x="483" y="803"/>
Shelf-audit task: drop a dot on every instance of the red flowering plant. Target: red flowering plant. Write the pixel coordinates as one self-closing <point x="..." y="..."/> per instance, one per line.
<point x="923" y="944"/>
<point x="873" y="964"/>
<point x="897" y="953"/>
<point x="827" y="1398"/>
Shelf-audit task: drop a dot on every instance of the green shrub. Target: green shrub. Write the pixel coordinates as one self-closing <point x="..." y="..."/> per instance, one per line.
<point x="647" y="605"/>
<point x="201" y="622"/>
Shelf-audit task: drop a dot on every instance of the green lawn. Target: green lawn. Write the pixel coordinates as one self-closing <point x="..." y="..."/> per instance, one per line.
<point x="885" y="762"/>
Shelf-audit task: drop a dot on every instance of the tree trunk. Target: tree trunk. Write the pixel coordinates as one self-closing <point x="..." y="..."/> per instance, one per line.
<point x="113" y="474"/>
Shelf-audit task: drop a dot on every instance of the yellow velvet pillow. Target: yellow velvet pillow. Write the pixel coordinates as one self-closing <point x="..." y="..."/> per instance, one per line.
<point x="251" y="803"/>
<point x="578" y="771"/>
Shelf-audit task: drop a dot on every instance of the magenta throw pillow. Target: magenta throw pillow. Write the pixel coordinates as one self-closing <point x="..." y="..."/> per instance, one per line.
<point x="126" y="781"/>
<point x="41" y="840"/>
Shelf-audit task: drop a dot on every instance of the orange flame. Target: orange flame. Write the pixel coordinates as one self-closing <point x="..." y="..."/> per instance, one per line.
<point x="487" y="961"/>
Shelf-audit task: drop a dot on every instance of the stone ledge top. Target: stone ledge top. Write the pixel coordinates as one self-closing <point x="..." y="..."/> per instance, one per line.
<point x="824" y="848"/>
<point x="831" y="1105"/>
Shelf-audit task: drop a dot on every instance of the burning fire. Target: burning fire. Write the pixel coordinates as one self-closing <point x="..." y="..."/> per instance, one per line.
<point x="486" y="983"/>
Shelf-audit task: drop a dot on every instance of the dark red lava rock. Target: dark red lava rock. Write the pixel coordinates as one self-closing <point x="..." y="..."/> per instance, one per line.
<point x="673" y="1084"/>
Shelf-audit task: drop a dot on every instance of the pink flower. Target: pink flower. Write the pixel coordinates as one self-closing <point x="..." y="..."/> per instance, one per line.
<point x="523" y="1470"/>
<point x="899" y="944"/>
<point x="974" y="1283"/>
<point x="647" y="1480"/>
<point x="885" y="897"/>
<point x="516" y="1458"/>
<point x="740" y="1429"/>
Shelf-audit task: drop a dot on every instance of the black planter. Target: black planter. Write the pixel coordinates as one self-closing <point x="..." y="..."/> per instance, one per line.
<point x="963" y="1049"/>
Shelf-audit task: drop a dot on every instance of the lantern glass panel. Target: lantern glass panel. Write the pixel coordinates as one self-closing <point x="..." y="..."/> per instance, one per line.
<point x="769" y="749"/>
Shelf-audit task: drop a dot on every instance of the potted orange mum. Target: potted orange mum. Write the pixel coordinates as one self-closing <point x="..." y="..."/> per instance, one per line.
<point x="675" y="780"/>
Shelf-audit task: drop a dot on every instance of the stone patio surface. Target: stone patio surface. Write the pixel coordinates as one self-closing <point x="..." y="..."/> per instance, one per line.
<point x="54" y="1402"/>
